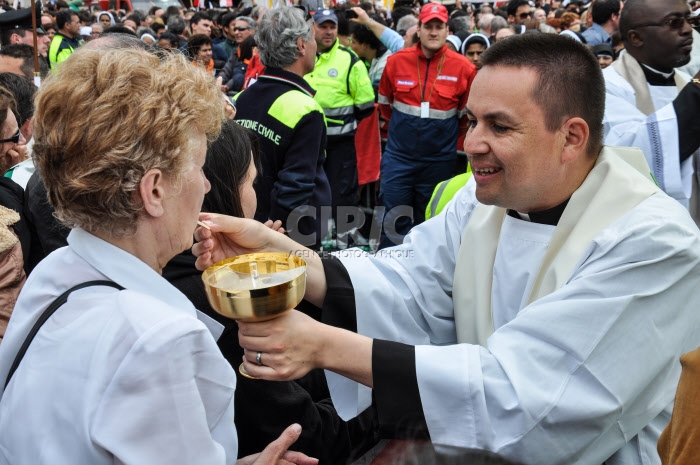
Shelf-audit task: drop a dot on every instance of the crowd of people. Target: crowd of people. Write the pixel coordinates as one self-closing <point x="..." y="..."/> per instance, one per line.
<point x="520" y="181"/>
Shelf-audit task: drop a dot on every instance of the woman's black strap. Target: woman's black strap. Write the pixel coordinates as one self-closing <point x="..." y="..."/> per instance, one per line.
<point x="62" y="299"/>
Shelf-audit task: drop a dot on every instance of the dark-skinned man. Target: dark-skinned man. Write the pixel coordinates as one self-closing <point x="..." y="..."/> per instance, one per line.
<point x="652" y="106"/>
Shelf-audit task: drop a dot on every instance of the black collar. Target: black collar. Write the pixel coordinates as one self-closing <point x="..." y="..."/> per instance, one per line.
<point x="550" y="216"/>
<point x="290" y="78"/>
<point x="656" y="78"/>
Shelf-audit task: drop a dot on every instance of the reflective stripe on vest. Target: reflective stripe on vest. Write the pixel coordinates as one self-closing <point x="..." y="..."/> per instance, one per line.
<point x="415" y="111"/>
<point x="344" y="129"/>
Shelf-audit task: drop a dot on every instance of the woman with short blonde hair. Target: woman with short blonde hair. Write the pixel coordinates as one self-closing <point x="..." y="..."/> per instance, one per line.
<point x="103" y="360"/>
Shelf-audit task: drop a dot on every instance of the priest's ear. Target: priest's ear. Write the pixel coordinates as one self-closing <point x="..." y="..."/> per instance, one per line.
<point x="575" y="133"/>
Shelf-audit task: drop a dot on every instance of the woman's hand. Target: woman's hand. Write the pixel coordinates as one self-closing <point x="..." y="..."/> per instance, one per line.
<point x="275" y="226"/>
<point x="276" y="452"/>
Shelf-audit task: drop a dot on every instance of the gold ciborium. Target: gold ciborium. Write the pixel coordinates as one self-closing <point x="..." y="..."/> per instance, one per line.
<point x="255" y="287"/>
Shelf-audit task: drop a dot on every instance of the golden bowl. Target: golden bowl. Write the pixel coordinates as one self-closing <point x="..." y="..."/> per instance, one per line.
<point x="257" y="286"/>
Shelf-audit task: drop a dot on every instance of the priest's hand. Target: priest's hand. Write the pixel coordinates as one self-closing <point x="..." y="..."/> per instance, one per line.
<point x="291" y="345"/>
<point x="229" y="236"/>
<point x="276" y="452"/>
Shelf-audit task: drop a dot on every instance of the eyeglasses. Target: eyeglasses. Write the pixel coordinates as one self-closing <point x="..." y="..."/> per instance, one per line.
<point x="14" y="139"/>
<point x="524" y="15"/>
<point x="674" y="23"/>
<point x="241" y="29"/>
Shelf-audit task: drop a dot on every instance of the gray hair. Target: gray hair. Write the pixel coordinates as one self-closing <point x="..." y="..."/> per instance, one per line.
<point x="251" y="22"/>
<point x="406" y="22"/>
<point x="257" y="11"/>
<point x="144" y="30"/>
<point x="176" y="25"/>
<point x="277" y="36"/>
<point x="116" y="40"/>
<point x="498" y="22"/>
<point x="485" y="21"/>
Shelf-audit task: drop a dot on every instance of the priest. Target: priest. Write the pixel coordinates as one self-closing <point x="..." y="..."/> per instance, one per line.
<point x="651" y="105"/>
<point x="540" y="316"/>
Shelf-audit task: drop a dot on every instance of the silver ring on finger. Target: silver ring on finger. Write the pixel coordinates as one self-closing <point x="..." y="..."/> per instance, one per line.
<point x="258" y="359"/>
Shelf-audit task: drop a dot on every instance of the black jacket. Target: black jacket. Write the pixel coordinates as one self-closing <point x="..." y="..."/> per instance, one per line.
<point x="265" y="408"/>
<point x="12" y="197"/>
<point x="50" y="233"/>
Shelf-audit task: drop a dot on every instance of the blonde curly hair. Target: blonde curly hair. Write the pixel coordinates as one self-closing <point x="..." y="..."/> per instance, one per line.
<point x="106" y="117"/>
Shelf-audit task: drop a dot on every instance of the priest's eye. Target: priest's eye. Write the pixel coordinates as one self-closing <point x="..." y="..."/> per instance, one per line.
<point x="471" y="124"/>
<point x="499" y="129"/>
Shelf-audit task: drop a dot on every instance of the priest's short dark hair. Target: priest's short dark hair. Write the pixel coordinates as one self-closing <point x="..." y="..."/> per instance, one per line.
<point x="570" y="82"/>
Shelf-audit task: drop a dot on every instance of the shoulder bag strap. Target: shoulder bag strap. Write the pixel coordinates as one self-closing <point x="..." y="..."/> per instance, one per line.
<point x="55" y="305"/>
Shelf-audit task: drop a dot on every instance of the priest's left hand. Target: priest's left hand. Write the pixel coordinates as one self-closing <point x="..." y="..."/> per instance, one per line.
<point x="293" y="344"/>
<point x="290" y="346"/>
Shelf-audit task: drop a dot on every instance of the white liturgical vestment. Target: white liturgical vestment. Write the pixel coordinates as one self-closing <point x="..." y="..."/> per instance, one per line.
<point x="655" y="133"/>
<point x="584" y="375"/>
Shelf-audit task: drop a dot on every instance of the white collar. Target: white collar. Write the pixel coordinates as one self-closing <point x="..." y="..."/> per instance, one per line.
<point x="133" y="274"/>
<point x="523" y="216"/>
<point x="665" y="75"/>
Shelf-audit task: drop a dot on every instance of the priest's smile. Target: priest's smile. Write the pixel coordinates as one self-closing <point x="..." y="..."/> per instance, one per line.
<point x="486" y="173"/>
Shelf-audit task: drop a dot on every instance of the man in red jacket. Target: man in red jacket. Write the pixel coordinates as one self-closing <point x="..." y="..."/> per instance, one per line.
<point x="422" y="93"/>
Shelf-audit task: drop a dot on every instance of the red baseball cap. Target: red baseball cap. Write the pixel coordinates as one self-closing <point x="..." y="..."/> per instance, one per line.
<point x="433" y="11"/>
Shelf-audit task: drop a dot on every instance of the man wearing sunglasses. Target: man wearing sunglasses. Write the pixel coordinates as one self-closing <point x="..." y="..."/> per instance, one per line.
<point x="12" y="142"/>
<point x="239" y="29"/>
<point x="650" y="104"/>
<point x="518" y="11"/>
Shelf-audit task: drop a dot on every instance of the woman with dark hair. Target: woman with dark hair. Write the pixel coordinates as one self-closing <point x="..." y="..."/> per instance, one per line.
<point x="254" y="69"/>
<point x="264" y="408"/>
<point x="233" y="162"/>
<point x="231" y="166"/>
